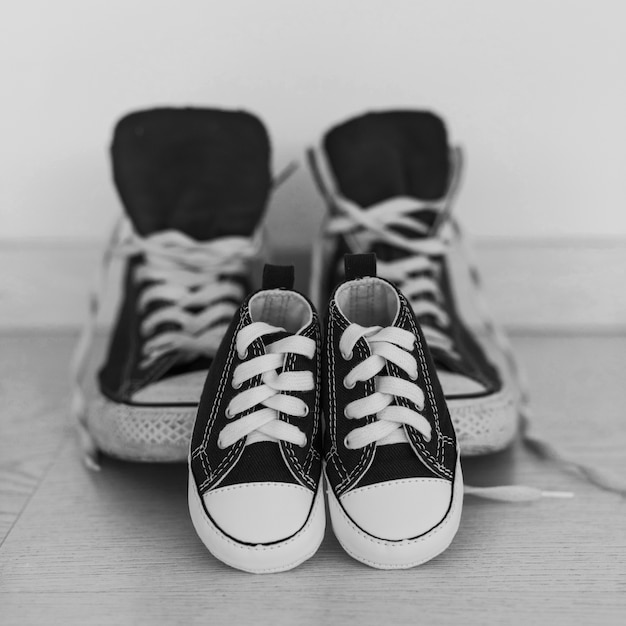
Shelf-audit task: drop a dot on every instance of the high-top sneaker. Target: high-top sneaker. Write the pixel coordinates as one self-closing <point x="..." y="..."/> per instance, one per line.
<point x="194" y="183"/>
<point x="391" y="458"/>
<point x="389" y="180"/>
<point x="255" y="493"/>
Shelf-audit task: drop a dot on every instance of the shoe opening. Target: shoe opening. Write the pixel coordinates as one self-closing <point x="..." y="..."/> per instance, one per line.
<point x="368" y="302"/>
<point x="281" y="308"/>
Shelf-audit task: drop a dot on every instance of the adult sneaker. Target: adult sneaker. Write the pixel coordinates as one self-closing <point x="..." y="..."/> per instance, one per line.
<point x="255" y="493"/>
<point x="194" y="184"/>
<point x="390" y="180"/>
<point x="392" y="464"/>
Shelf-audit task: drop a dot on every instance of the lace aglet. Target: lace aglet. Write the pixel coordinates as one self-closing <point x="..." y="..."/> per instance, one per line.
<point x="557" y="494"/>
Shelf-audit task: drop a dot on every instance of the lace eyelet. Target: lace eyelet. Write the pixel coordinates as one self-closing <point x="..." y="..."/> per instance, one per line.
<point x="346" y="443"/>
<point x="228" y="413"/>
<point x="345" y="413"/>
<point x="413" y="378"/>
<point x="345" y="384"/>
<point x="349" y="356"/>
<point x="220" y="445"/>
<point x="303" y="444"/>
<point x="236" y="386"/>
<point x="306" y="411"/>
<point x="244" y="356"/>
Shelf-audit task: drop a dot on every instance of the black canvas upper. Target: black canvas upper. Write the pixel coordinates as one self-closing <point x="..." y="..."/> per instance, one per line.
<point x="378" y="156"/>
<point x="349" y="469"/>
<point x="261" y="461"/>
<point x="202" y="172"/>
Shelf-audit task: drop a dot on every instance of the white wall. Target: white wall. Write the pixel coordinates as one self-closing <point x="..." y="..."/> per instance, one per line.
<point x="535" y="90"/>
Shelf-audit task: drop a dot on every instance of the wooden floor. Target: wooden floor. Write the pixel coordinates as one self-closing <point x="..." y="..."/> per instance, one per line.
<point x="117" y="547"/>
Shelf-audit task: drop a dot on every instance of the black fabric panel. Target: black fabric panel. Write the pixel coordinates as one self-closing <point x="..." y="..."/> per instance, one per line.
<point x="435" y="400"/>
<point x="380" y="155"/>
<point x="204" y="172"/>
<point x="359" y="265"/>
<point x="259" y="462"/>
<point x="474" y="361"/>
<point x="206" y="456"/>
<point x="121" y="374"/>
<point x="394" y="462"/>
<point x="278" y="276"/>
<point x="342" y="462"/>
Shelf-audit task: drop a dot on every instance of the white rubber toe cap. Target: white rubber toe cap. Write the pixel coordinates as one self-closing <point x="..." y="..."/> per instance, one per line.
<point x="259" y="512"/>
<point x="399" y="509"/>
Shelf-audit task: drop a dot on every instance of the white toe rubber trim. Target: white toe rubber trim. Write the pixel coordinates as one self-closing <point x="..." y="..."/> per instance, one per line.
<point x="383" y="554"/>
<point x="486" y="424"/>
<point x="260" y="559"/>
<point x="249" y="510"/>
<point x="158" y="434"/>
<point x="370" y="506"/>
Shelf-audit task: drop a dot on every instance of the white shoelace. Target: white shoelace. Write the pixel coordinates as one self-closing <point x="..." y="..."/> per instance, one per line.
<point x="184" y="274"/>
<point x="189" y="276"/>
<point x="416" y="274"/>
<point x="387" y="345"/>
<point x="272" y="392"/>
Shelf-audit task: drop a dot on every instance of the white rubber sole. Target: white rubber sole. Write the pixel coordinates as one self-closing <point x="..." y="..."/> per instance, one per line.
<point x="383" y="554"/>
<point x="148" y="434"/>
<point x="259" y="559"/>
<point x="485" y="425"/>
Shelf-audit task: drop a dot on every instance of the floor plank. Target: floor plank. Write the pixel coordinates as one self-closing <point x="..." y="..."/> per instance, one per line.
<point x="118" y="547"/>
<point x="34" y="418"/>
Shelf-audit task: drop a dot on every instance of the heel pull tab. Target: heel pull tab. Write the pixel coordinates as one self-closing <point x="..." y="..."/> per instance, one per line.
<point x="359" y="265"/>
<point x="278" y="276"/>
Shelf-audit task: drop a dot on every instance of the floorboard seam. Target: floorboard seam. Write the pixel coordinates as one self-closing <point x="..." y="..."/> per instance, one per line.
<point x="44" y="475"/>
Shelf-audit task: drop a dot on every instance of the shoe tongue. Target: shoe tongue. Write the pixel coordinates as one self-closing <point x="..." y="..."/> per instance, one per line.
<point x="382" y="155"/>
<point x="204" y="172"/>
<point x="379" y="156"/>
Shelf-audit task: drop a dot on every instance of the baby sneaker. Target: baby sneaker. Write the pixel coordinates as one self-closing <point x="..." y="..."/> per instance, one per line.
<point x="255" y="493"/>
<point x="395" y="489"/>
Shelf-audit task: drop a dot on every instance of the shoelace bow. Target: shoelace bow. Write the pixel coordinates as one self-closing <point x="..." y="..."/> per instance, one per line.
<point x="183" y="275"/>
<point x="387" y="345"/>
<point x="271" y="392"/>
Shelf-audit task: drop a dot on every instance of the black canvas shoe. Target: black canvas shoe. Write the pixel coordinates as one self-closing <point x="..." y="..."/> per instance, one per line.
<point x="389" y="180"/>
<point x="392" y="465"/>
<point x="255" y="493"/>
<point x="194" y="184"/>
